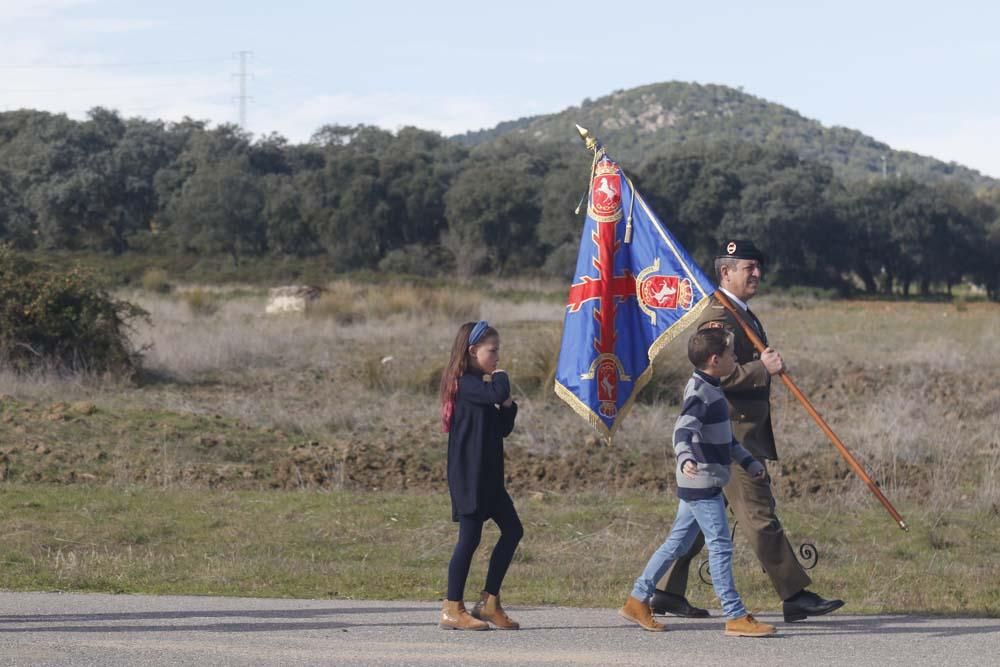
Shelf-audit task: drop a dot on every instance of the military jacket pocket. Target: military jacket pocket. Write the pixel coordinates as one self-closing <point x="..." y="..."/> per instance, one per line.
<point x="750" y="411"/>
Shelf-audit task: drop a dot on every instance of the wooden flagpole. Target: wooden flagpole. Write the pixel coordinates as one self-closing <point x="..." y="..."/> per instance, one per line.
<point x="792" y="387"/>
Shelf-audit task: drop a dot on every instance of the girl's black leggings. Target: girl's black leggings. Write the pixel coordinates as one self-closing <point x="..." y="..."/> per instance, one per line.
<point x="470" y="532"/>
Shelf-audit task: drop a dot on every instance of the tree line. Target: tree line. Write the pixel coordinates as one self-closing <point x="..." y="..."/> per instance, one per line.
<point x="416" y="202"/>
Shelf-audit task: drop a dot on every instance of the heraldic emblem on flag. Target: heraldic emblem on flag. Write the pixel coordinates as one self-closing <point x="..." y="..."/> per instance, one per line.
<point x="634" y="290"/>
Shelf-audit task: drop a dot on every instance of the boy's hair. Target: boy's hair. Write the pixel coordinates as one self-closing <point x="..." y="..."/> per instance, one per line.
<point x="706" y="342"/>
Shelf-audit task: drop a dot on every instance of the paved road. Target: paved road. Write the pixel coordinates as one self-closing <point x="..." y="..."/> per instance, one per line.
<point x="65" y="629"/>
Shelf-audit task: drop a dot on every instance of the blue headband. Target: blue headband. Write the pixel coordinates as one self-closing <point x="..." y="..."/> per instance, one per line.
<point x="478" y="331"/>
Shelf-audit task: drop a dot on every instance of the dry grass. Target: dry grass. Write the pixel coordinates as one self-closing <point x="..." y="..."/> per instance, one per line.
<point x="350" y="303"/>
<point x="903" y="384"/>
<point x="909" y="387"/>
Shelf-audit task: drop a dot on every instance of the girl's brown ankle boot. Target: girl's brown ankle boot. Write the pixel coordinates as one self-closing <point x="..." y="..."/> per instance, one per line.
<point x="455" y="617"/>
<point x="488" y="609"/>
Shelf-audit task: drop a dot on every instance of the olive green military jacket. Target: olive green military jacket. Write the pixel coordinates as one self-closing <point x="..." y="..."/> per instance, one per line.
<point x="748" y="389"/>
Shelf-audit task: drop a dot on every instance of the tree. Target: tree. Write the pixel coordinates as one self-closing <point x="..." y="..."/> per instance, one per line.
<point x="416" y="169"/>
<point x="564" y="187"/>
<point x="795" y="224"/>
<point x="287" y="229"/>
<point x="864" y="209"/>
<point x="16" y="221"/>
<point x="220" y="209"/>
<point x="494" y="205"/>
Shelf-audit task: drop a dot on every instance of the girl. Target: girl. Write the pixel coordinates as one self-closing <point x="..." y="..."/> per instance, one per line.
<point x="477" y="412"/>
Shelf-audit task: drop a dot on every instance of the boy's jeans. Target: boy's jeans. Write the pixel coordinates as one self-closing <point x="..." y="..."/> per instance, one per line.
<point x="710" y="516"/>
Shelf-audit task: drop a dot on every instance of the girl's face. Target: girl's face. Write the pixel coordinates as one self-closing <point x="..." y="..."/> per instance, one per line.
<point x="485" y="355"/>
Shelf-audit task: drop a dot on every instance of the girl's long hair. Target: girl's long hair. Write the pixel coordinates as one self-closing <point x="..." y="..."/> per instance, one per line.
<point x="457" y="365"/>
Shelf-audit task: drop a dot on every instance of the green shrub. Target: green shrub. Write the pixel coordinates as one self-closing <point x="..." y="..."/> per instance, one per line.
<point x="201" y="302"/>
<point x="155" y="280"/>
<point x="416" y="260"/>
<point x="808" y="292"/>
<point x="62" y="320"/>
<point x="349" y="303"/>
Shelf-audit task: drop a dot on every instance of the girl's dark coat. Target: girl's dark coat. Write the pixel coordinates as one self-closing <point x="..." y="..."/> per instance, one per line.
<point x="475" y="444"/>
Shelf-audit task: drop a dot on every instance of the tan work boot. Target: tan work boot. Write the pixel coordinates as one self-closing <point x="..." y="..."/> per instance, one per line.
<point x="748" y="626"/>
<point x="639" y="612"/>
<point x="488" y="609"/>
<point x="455" y="617"/>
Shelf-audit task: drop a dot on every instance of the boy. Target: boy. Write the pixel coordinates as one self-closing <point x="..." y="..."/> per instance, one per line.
<point x="705" y="447"/>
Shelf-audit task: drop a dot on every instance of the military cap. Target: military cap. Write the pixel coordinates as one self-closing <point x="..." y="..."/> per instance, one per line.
<point x="740" y="249"/>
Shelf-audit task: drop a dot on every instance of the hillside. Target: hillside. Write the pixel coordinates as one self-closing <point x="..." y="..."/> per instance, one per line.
<point x="643" y="122"/>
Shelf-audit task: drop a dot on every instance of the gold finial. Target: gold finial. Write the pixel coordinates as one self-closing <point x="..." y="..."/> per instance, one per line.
<point x="588" y="139"/>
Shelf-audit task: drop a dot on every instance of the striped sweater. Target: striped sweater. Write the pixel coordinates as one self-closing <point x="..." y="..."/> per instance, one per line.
<point x="704" y="434"/>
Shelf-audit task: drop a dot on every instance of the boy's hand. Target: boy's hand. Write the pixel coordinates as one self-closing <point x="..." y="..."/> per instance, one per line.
<point x="757" y="471"/>
<point x="690" y="469"/>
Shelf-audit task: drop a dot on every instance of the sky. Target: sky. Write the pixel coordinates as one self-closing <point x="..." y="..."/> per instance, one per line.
<point x="920" y="76"/>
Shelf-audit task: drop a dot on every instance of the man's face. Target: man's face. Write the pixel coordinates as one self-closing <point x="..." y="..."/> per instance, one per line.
<point x="743" y="278"/>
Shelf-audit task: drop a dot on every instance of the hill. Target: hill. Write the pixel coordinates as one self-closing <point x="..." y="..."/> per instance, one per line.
<point x="644" y="122"/>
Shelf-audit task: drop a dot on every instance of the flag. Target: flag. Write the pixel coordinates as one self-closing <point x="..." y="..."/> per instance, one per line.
<point x="635" y="289"/>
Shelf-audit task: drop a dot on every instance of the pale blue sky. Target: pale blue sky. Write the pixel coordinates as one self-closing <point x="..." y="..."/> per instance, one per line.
<point x="921" y="76"/>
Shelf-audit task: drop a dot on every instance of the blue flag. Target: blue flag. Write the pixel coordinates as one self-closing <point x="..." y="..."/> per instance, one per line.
<point x="635" y="289"/>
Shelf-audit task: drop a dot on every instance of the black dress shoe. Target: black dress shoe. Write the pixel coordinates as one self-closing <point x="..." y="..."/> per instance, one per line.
<point x="669" y="603"/>
<point x="804" y="604"/>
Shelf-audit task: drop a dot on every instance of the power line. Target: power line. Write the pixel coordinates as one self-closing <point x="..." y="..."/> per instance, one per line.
<point x="80" y="90"/>
<point x="243" y="98"/>
<point x="150" y="63"/>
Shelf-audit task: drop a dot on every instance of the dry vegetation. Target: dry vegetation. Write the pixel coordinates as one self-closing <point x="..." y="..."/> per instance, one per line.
<point x="342" y="401"/>
<point x="345" y="397"/>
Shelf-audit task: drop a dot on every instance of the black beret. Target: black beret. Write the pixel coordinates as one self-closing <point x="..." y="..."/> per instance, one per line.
<point x="740" y="249"/>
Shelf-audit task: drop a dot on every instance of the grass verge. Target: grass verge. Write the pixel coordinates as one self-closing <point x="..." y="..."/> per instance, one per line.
<point x="579" y="550"/>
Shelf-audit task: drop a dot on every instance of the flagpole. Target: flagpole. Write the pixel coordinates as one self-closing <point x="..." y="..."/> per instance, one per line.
<point x="792" y="387"/>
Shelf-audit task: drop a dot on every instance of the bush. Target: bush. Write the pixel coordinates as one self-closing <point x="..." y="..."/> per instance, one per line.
<point x="416" y="260"/>
<point x="350" y="303"/>
<point x="155" y="280"/>
<point x="62" y="320"/>
<point x="807" y="292"/>
<point x="200" y="302"/>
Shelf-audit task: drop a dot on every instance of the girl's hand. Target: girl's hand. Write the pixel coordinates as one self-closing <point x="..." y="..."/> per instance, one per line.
<point x="509" y="402"/>
<point x="690" y="469"/>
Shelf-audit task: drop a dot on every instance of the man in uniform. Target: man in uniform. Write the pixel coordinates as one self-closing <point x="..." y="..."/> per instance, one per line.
<point x="739" y="266"/>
